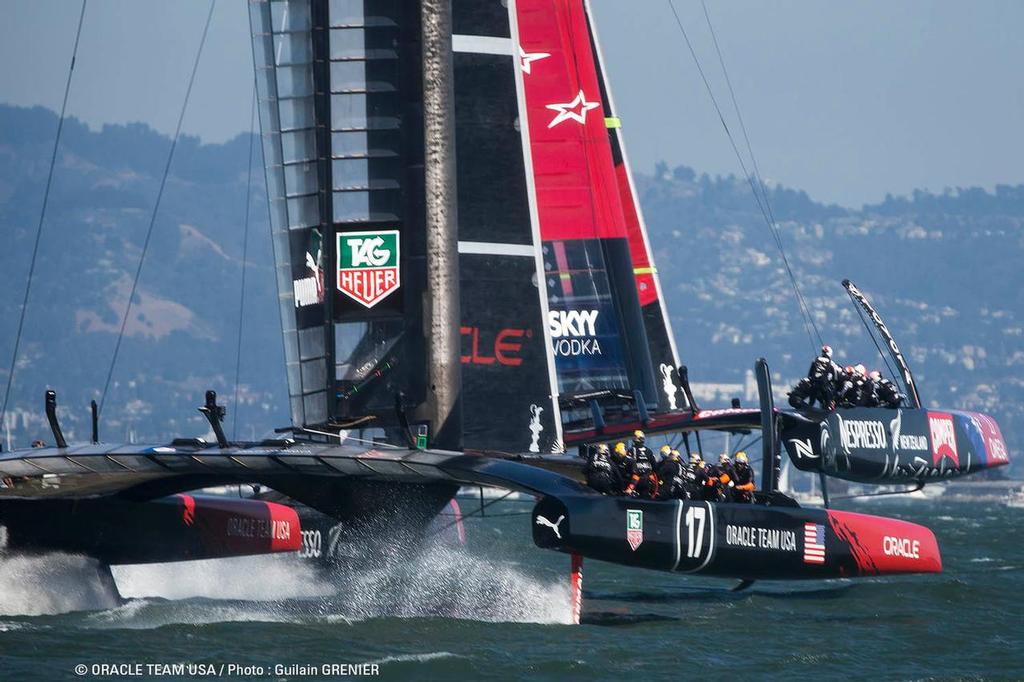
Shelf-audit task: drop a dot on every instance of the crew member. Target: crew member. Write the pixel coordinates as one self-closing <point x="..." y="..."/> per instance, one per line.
<point x="639" y="447"/>
<point x="852" y="388"/>
<point x="602" y="474"/>
<point x="664" y="453"/>
<point x="693" y="477"/>
<point x="823" y="377"/>
<point x="726" y="477"/>
<point x="744" y="477"/>
<point x="624" y="465"/>
<point x="644" y="481"/>
<point x="886" y="391"/>
<point x="670" y="476"/>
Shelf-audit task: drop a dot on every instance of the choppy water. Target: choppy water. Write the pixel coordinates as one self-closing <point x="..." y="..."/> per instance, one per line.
<point x="497" y="610"/>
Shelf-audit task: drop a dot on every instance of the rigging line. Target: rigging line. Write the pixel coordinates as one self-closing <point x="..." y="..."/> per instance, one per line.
<point x="42" y="217"/>
<point x="773" y="225"/>
<point x="478" y="511"/>
<point x="871" y="333"/>
<point x="156" y="207"/>
<point x="804" y="311"/>
<point x="245" y="255"/>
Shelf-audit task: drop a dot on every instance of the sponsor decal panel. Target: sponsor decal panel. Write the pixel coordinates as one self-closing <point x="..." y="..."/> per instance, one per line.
<point x="860" y="434"/>
<point x="634" y="528"/>
<point x="707" y="414"/>
<point x="368" y="265"/>
<point x="761" y="538"/>
<point x="943" y="434"/>
<point x="310" y="290"/>
<point x="503" y="348"/>
<point x="991" y="438"/>
<point x="814" y="543"/>
<point x="901" y="547"/>
<point x="574" y="332"/>
<point x="259" y="529"/>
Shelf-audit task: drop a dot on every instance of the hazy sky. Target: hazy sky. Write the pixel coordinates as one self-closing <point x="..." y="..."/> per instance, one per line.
<point x="848" y="100"/>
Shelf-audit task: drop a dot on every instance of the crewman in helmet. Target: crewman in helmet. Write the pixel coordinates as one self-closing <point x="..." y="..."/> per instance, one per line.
<point x="624" y="465"/>
<point x="744" y="478"/>
<point x="670" y="476"/>
<point x="644" y="481"/>
<point x="601" y="472"/>
<point x="663" y="454"/>
<point x="693" y="477"/>
<point x="886" y="392"/>
<point x="725" y="475"/>
<point x="823" y="377"/>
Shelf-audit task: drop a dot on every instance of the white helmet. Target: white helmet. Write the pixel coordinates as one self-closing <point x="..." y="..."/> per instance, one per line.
<point x="875" y="375"/>
<point x="861" y="370"/>
<point x="826" y="350"/>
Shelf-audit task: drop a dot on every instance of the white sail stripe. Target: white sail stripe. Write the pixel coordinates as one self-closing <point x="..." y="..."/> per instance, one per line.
<point x="496" y="249"/>
<point x="531" y="196"/>
<point x="482" y="44"/>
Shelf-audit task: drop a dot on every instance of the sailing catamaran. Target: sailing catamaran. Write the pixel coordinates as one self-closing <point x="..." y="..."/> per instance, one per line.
<point x="467" y="294"/>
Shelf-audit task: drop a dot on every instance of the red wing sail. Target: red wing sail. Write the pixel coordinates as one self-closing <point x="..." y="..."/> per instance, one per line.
<point x="664" y="356"/>
<point x="595" y="318"/>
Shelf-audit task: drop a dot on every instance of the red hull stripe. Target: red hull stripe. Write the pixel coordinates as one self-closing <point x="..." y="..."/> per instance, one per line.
<point x="882" y="546"/>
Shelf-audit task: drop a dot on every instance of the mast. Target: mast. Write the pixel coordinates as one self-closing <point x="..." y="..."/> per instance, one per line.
<point x="908" y="378"/>
<point x="441" y="309"/>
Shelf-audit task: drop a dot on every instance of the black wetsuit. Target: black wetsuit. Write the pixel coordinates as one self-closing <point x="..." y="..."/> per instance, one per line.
<point x="693" y="481"/>
<point x="602" y="474"/>
<point x="744" y="477"/>
<point x="670" y="478"/>
<point x="644" y="479"/>
<point x="854" y="391"/>
<point x="888" y="394"/>
<point x="625" y="466"/>
<point x="726" y="487"/>
<point x="822" y="377"/>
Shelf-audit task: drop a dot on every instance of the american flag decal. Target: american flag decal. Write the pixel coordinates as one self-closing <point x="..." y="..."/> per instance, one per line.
<point x="814" y="543"/>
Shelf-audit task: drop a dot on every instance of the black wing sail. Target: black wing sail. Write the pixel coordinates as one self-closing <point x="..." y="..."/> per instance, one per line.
<point x="509" y="396"/>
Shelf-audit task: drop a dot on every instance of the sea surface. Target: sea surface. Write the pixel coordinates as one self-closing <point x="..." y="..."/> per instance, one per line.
<point x="498" y="609"/>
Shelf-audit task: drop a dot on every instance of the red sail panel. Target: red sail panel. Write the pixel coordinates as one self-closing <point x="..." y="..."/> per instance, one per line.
<point x="576" y="188"/>
<point x="643" y="268"/>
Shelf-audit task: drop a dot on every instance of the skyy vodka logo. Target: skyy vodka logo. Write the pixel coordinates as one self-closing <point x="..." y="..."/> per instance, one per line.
<point x="368" y="265"/>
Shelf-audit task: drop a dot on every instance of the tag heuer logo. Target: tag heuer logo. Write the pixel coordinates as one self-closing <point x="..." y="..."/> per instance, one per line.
<point x="634" y="527"/>
<point x="368" y="265"/>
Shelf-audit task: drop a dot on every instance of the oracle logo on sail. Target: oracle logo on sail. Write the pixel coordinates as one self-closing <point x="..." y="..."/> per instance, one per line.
<point x="943" y="438"/>
<point x="574" y="332"/>
<point x="503" y="350"/>
<point x="867" y="435"/>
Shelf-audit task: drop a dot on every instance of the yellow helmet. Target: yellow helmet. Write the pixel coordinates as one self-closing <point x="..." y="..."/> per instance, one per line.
<point x="666" y="450"/>
<point x="639" y="435"/>
<point x="723" y="458"/>
<point x="675" y="454"/>
<point x="620" y="448"/>
<point x="602" y="447"/>
<point x="741" y="457"/>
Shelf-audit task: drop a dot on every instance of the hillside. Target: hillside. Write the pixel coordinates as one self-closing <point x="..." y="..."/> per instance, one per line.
<point x="940" y="267"/>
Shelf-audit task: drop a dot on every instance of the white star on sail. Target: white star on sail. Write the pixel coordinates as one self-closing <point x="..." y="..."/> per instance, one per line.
<point x="568" y="110"/>
<point x="525" y="58"/>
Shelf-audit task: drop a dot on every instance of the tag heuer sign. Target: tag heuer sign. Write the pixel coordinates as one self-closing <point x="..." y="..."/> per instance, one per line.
<point x="368" y="265"/>
<point x="634" y="527"/>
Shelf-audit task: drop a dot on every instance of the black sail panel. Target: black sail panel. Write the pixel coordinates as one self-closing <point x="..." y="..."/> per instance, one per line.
<point x="509" y="400"/>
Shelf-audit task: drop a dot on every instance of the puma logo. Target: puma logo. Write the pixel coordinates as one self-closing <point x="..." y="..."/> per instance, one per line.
<point x="541" y="521"/>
